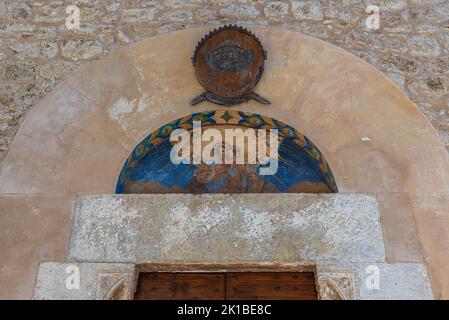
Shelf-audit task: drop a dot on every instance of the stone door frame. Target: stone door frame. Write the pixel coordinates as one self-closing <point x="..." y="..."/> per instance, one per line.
<point x="336" y="236"/>
<point x="330" y="283"/>
<point x="118" y="281"/>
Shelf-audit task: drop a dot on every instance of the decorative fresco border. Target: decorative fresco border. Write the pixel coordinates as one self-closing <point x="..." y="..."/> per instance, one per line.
<point x="224" y="117"/>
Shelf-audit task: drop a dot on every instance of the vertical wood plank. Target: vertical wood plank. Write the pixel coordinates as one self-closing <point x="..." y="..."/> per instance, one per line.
<point x="271" y="286"/>
<point x="180" y="286"/>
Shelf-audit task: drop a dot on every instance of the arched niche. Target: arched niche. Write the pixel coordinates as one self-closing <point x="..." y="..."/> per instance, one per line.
<point x="301" y="168"/>
<point x="76" y="139"/>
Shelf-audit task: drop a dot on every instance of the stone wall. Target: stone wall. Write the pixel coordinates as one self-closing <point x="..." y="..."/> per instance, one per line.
<point x="37" y="51"/>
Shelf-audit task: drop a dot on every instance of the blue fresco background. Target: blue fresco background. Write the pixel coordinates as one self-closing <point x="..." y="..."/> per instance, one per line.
<point x="295" y="168"/>
<point x="302" y="167"/>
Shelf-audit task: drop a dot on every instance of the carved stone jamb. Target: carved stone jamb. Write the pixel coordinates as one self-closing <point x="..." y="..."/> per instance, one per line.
<point x="116" y="285"/>
<point x="337" y="284"/>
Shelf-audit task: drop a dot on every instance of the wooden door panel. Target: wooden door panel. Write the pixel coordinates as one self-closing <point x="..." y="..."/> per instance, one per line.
<point x="181" y="286"/>
<point x="271" y="286"/>
<point x="227" y="286"/>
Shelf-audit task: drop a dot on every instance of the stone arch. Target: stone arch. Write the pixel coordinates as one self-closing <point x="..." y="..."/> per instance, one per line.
<point x="374" y="138"/>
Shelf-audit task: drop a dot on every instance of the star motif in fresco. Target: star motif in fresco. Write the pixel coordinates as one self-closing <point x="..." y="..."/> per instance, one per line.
<point x="226" y="116"/>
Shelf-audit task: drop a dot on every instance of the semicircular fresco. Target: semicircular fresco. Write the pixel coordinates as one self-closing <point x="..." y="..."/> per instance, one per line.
<point x="301" y="166"/>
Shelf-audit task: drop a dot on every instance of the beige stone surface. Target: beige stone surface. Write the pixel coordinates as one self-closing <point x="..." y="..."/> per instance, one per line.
<point x="227" y="228"/>
<point x="374" y="138"/>
<point x="97" y="281"/>
<point x="398" y="281"/>
<point x="399" y="227"/>
<point x="431" y="215"/>
<point x="34" y="228"/>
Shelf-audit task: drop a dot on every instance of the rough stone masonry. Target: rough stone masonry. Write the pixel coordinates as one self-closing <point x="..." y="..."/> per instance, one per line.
<point x="37" y="51"/>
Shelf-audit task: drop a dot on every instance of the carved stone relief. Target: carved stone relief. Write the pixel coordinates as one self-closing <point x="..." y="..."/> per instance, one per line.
<point x="337" y="284"/>
<point x="115" y="286"/>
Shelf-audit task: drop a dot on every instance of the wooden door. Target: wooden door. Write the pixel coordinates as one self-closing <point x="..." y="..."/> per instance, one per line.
<point x="270" y="286"/>
<point x="227" y="286"/>
<point x="180" y="286"/>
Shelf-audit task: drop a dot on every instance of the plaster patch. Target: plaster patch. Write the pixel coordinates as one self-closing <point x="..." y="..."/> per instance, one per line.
<point x="121" y="107"/>
<point x="142" y="103"/>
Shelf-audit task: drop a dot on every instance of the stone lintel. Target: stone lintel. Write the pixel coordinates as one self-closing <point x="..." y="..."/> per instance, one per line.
<point x="323" y="228"/>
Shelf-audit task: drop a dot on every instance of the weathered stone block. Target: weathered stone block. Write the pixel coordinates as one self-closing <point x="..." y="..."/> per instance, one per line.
<point x="56" y="70"/>
<point x="138" y="15"/>
<point x="392" y="5"/>
<point x="19" y="71"/>
<point x="436" y="87"/>
<point x="204" y="15"/>
<point x="81" y="49"/>
<point x="408" y="281"/>
<point x="51" y="12"/>
<point x="307" y="10"/>
<point x="35" y="49"/>
<point x="374" y="281"/>
<point x="239" y="12"/>
<point x="441" y="11"/>
<point x="19" y="10"/>
<point x="276" y="10"/>
<point x="97" y="281"/>
<point x="178" y="16"/>
<point x="423" y="46"/>
<point x="231" y="228"/>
